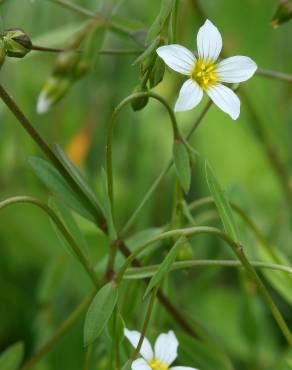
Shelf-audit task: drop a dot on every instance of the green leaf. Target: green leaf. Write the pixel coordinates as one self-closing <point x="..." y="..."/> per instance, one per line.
<point x="99" y="312"/>
<point x="182" y="164"/>
<point x="11" y="358"/>
<point x="107" y="206"/>
<point x="116" y="326"/>
<point x="222" y="204"/>
<point x="68" y="220"/>
<point x="164" y="267"/>
<point x="150" y="49"/>
<point x="157" y="26"/>
<point x="76" y="175"/>
<point x="59" y="186"/>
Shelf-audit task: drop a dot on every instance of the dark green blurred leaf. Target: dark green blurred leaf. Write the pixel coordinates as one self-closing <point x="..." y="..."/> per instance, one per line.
<point x="11" y="358"/>
<point x="68" y="220"/>
<point x="99" y="312"/>
<point x="283" y="13"/>
<point x="117" y="321"/>
<point x="157" y="73"/>
<point x="149" y="50"/>
<point x="222" y="204"/>
<point x="76" y="175"/>
<point x="165" y="11"/>
<point x="58" y="185"/>
<point x="182" y="164"/>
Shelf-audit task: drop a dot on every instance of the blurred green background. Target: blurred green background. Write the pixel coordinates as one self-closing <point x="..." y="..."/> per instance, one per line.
<point x="30" y="252"/>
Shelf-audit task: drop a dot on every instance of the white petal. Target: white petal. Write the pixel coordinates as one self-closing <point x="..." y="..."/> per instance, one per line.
<point x="177" y="57"/>
<point x="43" y="103"/>
<point x="236" y="69"/>
<point x="209" y="41"/>
<point x="166" y="348"/>
<point x="140" y="364"/>
<point x="182" y="368"/>
<point x="146" y="350"/>
<point x="225" y="99"/>
<point x="190" y="95"/>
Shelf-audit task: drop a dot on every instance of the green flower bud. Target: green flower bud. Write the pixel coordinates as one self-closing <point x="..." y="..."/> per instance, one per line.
<point x="139" y="103"/>
<point x="54" y="89"/>
<point x="157" y="73"/>
<point x="185" y="252"/>
<point x="17" y="43"/>
<point x="283" y="13"/>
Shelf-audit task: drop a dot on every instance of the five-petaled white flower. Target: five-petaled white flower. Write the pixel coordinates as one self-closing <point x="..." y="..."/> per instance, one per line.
<point x="205" y="73"/>
<point x="165" y="352"/>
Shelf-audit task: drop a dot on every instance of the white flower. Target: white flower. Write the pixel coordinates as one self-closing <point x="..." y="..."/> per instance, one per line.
<point x="165" y="352"/>
<point x="205" y="73"/>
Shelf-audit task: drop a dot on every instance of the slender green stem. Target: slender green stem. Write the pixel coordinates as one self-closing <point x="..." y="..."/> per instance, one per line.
<point x="164" y="172"/>
<point x="111" y="126"/>
<point x="88" y="357"/>
<point x="248" y="221"/>
<point x="120" y="51"/>
<point x="166" y="235"/>
<point x="145" y="324"/>
<point x="74" y="7"/>
<point x="39" y="140"/>
<point x="237" y="249"/>
<point x="66" y="325"/>
<point x="150" y="270"/>
<point x="53" y="216"/>
<point x="153" y="187"/>
<point x="274" y="74"/>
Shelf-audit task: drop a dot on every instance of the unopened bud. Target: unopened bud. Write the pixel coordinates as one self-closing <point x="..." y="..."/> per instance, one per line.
<point x="17" y="43"/>
<point x="283" y="13"/>
<point x="185" y="252"/>
<point x="53" y="90"/>
<point x="139" y="103"/>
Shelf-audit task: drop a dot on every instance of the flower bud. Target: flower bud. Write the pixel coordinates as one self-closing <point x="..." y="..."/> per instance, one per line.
<point x="53" y="90"/>
<point x="185" y="252"/>
<point x="17" y="43"/>
<point x="139" y="103"/>
<point x="283" y="13"/>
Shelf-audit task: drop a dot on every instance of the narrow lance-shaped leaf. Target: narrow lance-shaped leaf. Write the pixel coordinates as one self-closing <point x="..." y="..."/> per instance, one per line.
<point x="158" y="24"/>
<point x="182" y="164"/>
<point x="11" y="358"/>
<point x="222" y="204"/>
<point x="68" y="220"/>
<point x="99" y="312"/>
<point x="164" y="267"/>
<point x="151" y="48"/>
<point x="76" y="175"/>
<point x="59" y="186"/>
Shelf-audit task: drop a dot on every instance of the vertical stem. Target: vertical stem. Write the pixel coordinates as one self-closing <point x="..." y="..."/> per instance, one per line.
<point x="145" y="324"/>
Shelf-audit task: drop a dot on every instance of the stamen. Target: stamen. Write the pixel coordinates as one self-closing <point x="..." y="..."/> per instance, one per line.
<point x="204" y="73"/>
<point x="157" y="365"/>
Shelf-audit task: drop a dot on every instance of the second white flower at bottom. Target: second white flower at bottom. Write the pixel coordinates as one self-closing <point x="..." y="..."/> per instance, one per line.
<point x="165" y="352"/>
<point x="205" y="73"/>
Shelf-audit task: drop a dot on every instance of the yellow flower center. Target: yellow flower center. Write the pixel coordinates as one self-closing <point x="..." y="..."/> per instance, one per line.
<point x="157" y="365"/>
<point x="204" y="73"/>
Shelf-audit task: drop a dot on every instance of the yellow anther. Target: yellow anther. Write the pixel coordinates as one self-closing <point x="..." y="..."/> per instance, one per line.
<point x="204" y="73"/>
<point x="157" y="365"/>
